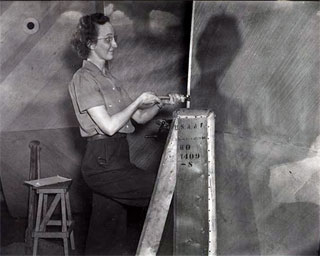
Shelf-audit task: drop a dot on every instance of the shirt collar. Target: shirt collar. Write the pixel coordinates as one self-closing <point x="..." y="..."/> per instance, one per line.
<point x="94" y="68"/>
<point x="90" y="66"/>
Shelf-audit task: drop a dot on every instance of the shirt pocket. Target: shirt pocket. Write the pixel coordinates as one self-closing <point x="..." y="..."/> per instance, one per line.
<point x="96" y="157"/>
<point x="104" y="157"/>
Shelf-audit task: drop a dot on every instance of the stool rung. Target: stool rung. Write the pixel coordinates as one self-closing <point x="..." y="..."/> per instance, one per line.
<point x="51" y="190"/>
<point x="43" y="234"/>
<point x="58" y="223"/>
<point x="57" y="234"/>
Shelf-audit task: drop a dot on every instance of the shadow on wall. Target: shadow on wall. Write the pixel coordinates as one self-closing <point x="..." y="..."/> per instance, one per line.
<point x="217" y="47"/>
<point x="287" y="228"/>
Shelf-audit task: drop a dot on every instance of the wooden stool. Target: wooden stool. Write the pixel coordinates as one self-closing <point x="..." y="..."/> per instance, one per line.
<point x="44" y="213"/>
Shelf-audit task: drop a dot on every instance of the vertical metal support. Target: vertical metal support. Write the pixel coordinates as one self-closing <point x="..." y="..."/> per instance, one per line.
<point x="187" y="167"/>
<point x="212" y="210"/>
<point x="161" y="199"/>
<point x="190" y="56"/>
<point x="193" y="199"/>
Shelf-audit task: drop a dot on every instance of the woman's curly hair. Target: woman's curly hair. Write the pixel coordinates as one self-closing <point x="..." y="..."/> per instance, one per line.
<point x="87" y="33"/>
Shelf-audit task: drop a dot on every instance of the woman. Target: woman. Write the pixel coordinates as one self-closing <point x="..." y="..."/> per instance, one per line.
<point x="104" y="110"/>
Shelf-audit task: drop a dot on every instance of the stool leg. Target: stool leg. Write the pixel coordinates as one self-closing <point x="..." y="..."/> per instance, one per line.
<point x="35" y="241"/>
<point x="64" y="223"/>
<point x="31" y="217"/>
<point x="69" y="213"/>
<point x="45" y="205"/>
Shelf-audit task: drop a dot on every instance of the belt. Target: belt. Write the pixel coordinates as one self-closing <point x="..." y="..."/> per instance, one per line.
<point x="104" y="137"/>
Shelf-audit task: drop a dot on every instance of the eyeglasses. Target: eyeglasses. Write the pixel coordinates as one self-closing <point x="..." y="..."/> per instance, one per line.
<point x="108" y="39"/>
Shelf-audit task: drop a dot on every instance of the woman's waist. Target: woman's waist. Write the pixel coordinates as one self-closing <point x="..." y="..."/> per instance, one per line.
<point x="117" y="135"/>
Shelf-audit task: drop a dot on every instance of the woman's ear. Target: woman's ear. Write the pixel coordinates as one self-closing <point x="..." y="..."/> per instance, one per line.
<point x="91" y="45"/>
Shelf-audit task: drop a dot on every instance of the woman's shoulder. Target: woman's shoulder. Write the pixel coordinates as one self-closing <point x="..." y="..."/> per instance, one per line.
<point x="83" y="78"/>
<point x="82" y="73"/>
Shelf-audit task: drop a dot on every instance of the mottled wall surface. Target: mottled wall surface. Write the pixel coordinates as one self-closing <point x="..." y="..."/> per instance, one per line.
<point x="256" y="65"/>
<point x="36" y="69"/>
<point x="35" y="105"/>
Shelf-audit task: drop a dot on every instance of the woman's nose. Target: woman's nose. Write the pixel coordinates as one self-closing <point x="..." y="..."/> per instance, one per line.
<point x="114" y="43"/>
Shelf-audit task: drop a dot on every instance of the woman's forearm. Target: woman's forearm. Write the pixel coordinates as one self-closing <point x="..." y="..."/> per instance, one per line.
<point x="119" y="119"/>
<point x="145" y="115"/>
<point x="112" y="124"/>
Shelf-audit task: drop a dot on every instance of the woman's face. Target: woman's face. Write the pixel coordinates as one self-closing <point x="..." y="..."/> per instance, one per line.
<point x="106" y="43"/>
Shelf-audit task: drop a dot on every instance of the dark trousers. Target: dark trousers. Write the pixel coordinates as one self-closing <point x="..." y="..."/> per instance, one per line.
<point x="116" y="183"/>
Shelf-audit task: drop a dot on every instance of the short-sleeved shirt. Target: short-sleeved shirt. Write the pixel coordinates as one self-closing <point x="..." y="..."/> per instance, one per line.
<point x="90" y="87"/>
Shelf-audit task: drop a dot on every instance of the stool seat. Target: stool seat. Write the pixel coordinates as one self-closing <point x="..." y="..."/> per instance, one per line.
<point x="59" y="192"/>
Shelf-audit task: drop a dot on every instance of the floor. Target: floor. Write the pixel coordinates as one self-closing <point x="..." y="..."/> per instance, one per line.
<point x="12" y="234"/>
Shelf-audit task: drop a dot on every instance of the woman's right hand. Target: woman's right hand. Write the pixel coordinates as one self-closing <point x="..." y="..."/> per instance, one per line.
<point x="148" y="98"/>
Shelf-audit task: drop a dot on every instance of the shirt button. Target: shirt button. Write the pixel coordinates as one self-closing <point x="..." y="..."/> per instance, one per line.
<point x="119" y="100"/>
<point x="127" y="126"/>
<point x="110" y="106"/>
<point x="113" y="88"/>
